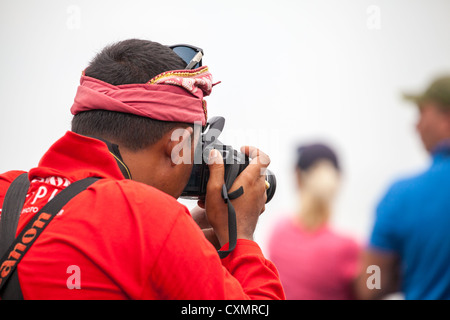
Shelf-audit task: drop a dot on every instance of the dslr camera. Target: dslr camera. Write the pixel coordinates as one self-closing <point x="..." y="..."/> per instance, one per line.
<point x="234" y="161"/>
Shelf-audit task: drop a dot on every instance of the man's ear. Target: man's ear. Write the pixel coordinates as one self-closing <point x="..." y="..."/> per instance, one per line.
<point x="178" y="146"/>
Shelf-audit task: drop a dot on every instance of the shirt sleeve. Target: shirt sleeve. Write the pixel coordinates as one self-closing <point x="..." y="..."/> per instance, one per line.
<point x="189" y="268"/>
<point x="386" y="228"/>
<point x="258" y="276"/>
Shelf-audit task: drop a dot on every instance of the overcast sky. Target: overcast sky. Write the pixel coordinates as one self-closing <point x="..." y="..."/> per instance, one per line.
<point x="291" y="72"/>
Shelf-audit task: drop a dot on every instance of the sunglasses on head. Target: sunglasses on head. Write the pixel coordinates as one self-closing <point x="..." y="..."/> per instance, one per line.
<point x="190" y="54"/>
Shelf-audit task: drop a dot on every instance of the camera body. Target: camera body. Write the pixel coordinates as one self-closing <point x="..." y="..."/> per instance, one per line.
<point x="234" y="162"/>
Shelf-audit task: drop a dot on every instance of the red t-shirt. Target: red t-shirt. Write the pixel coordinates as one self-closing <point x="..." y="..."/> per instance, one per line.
<point x="121" y="239"/>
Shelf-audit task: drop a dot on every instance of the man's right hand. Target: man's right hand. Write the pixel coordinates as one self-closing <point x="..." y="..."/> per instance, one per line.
<point x="248" y="206"/>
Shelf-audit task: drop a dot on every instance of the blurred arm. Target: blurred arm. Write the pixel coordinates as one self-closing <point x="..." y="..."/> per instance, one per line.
<point x="379" y="275"/>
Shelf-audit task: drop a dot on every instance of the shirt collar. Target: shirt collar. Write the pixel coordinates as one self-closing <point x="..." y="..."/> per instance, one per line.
<point x="442" y="149"/>
<point x="76" y="157"/>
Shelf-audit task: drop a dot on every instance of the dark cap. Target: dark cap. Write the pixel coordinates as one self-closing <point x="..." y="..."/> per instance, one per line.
<point x="307" y="155"/>
<point x="438" y="91"/>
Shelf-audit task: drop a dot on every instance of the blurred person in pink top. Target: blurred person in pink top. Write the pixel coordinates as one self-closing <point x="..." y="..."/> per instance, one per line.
<point x="314" y="261"/>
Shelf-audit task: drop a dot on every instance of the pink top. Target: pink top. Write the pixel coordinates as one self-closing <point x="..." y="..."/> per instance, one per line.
<point x="317" y="265"/>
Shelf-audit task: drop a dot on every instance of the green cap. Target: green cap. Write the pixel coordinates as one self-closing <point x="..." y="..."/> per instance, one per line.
<point x="438" y="91"/>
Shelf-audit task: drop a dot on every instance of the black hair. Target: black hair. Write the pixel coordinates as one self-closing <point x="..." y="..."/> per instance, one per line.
<point x="126" y="62"/>
<point x="307" y="155"/>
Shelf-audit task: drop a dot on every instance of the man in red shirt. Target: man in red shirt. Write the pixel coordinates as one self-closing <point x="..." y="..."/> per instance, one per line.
<point x="126" y="236"/>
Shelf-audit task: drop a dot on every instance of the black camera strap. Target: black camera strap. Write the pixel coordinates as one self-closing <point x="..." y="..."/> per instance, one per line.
<point x="232" y="225"/>
<point x="115" y="152"/>
<point x="12" y="206"/>
<point x="22" y="243"/>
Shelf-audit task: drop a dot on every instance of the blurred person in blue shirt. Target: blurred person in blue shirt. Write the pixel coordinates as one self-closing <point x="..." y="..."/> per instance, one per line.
<point x="410" y="241"/>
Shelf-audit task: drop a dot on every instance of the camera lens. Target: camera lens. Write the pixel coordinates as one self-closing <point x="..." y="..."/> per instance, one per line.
<point x="270" y="178"/>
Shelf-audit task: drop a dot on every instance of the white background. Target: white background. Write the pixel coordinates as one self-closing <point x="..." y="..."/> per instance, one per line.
<point x="291" y="71"/>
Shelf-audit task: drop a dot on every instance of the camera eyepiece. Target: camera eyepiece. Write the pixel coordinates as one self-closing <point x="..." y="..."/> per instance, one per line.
<point x="235" y="162"/>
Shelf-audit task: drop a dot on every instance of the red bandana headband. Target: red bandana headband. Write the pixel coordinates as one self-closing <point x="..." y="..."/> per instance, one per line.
<point x="175" y="96"/>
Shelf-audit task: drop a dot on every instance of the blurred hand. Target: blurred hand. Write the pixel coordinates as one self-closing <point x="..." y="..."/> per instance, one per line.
<point x="248" y="206"/>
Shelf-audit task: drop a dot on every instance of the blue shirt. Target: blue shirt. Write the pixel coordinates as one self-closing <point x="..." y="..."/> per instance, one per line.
<point x="413" y="220"/>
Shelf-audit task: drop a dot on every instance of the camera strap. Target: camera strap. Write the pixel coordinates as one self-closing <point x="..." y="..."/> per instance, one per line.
<point x="115" y="152"/>
<point x="12" y="206"/>
<point x="232" y="226"/>
<point x="22" y="243"/>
